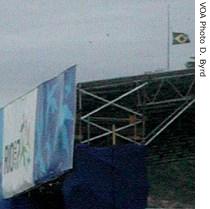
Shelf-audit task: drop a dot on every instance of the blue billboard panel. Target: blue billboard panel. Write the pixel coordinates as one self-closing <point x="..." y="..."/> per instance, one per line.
<point x="55" y="126"/>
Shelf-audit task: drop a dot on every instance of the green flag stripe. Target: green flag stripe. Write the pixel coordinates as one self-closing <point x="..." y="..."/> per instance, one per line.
<point x="180" y="38"/>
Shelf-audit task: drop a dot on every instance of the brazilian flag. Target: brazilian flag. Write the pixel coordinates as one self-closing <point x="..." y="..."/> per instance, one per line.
<point x="180" y="38"/>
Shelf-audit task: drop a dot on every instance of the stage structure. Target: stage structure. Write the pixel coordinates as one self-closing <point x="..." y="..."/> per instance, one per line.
<point x="128" y="109"/>
<point x="155" y="109"/>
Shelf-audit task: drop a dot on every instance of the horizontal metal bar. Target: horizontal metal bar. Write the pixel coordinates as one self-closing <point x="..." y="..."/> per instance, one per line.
<point x="114" y="100"/>
<point x="96" y="125"/>
<point x="96" y="137"/>
<point x="116" y="130"/>
<point x="126" y="138"/>
<point x="109" y="119"/>
<point x="107" y="101"/>
<point x="108" y="131"/>
<point x="137" y="81"/>
<point x="167" y="101"/>
<point x="128" y="126"/>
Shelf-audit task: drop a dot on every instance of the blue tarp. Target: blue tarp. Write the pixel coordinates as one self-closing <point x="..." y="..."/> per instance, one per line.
<point x="107" y="178"/>
<point x="102" y="178"/>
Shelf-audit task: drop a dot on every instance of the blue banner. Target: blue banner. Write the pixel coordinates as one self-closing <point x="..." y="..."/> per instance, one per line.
<point x="55" y="126"/>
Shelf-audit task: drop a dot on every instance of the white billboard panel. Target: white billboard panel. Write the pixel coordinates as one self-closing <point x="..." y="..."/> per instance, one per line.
<point x="18" y="145"/>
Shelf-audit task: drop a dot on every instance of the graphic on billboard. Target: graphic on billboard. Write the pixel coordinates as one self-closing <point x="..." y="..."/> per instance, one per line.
<point x="55" y="126"/>
<point x="37" y="135"/>
<point x="18" y="144"/>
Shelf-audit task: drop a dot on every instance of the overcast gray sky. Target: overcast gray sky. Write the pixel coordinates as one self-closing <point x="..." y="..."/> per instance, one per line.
<point x="105" y="38"/>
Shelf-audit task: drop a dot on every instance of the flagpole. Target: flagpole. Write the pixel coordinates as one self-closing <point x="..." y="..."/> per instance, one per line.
<point x="168" y="47"/>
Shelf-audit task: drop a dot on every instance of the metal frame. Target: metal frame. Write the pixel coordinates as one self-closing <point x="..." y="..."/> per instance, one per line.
<point x="171" y="118"/>
<point x="109" y="103"/>
<point x="148" y="95"/>
<point x="108" y="132"/>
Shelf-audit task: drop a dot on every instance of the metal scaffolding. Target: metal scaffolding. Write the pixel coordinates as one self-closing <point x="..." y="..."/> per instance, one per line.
<point x="134" y="109"/>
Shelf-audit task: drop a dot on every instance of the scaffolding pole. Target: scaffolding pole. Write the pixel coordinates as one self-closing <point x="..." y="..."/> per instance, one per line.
<point x="174" y="118"/>
<point x="114" y="100"/>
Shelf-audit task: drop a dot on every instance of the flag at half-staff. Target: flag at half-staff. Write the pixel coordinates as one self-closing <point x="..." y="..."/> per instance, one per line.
<point x="180" y="38"/>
